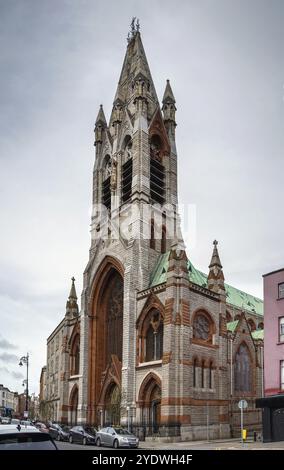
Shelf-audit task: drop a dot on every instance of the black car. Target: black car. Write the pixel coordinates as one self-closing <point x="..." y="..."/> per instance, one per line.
<point x="60" y="432"/>
<point x="83" y="435"/>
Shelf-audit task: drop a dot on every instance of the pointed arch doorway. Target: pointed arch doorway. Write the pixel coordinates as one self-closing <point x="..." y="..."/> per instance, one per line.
<point x="150" y="403"/>
<point x="112" y="405"/>
<point x="73" y="405"/>
<point x="106" y="333"/>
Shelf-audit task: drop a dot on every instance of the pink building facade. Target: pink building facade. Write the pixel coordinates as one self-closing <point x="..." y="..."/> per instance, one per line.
<point x="274" y="332"/>
<point x="273" y="403"/>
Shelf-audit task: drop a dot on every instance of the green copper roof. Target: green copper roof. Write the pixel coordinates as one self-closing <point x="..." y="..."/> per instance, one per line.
<point x="232" y="325"/>
<point x="235" y="297"/>
<point x="258" y="334"/>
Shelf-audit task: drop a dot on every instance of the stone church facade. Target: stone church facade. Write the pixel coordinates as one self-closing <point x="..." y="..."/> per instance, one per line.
<point x="156" y="343"/>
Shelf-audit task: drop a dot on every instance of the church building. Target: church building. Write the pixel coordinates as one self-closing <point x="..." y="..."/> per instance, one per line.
<point x="156" y="345"/>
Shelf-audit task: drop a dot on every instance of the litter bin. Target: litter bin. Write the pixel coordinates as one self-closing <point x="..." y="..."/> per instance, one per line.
<point x="244" y="434"/>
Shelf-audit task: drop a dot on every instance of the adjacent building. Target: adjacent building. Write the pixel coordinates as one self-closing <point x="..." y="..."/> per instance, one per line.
<point x="8" y="401"/>
<point x="156" y="341"/>
<point x="273" y="404"/>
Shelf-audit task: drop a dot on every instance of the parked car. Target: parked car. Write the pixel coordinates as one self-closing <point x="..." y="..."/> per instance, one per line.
<point x="83" y="435"/>
<point x="116" y="437"/>
<point x="5" y="420"/>
<point x="15" y="421"/>
<point x="17" y="437"/>
<point x="60" y="432"/>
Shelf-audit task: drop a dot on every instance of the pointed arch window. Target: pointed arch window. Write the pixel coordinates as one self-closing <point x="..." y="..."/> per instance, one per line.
<point x="195" y="373"/>
<point x="210" y="375"/>
<point x="106" y="174"/>
<point x="157" y="171"/>
<point x="154" y="339"/>
<point x="203" y="374"/>
<point x="75" y="356"/>
<point x="243" y="370"/>
<point x="127" y="170"/>
<point x="152" y="234"/>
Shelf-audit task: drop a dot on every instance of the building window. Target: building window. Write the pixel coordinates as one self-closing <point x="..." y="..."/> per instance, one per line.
<point x="202" y="375"/>
<point x="106" y="192"/>
<point x="203" y="328"/>
<point x="157" y="171"/>
<point x="243" y="370"/>
<point x="281" y="290"/>
<point x="152" y="235"/>
<point x="164" y="240"/>
<point x="194" y="372"/>
<point x="281" y="329"/>
<point x="154" y="341"/>
<point x="210" y="375"/>
<point x="282" y="375"/>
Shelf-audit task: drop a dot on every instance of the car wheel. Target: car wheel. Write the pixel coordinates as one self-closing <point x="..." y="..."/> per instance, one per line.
<point x="98" y="443"/>
<point x="71" y="439"/>
<point x="84" y="441"/>
<point x="115" y="444"/>
<point x="58" y="438"/>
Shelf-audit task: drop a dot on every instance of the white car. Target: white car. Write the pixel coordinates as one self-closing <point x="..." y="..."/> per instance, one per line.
<point x="17" y="437"/>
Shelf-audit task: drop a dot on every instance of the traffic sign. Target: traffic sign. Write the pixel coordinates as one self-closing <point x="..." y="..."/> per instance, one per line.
<point x="243" y="404"/>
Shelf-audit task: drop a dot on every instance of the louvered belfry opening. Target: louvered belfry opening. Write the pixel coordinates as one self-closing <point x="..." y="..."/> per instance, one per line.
<point x="127" y="180"/>
<point x="157" y="171"/>
<point x="106" y="196"/>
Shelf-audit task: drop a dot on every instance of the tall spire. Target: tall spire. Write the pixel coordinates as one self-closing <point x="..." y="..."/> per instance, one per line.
<point x="216" y="276"/>
<point x="168" y="94"/>
<point x="72" y="308"/>
<point x="135" y="65"/>
<point x="100" y="126"/>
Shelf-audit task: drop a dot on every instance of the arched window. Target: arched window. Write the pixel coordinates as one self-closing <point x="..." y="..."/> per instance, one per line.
<point x="157" y="170"/>
<point x="75" y="355"/>
<point x="203" y="374"/>
<point x="154" y="338"/>
<point x="106" y="172"/>
<point x="210" y="375"/>
<point x="243" y="372"/>
<point x="260" y="326"/>
<point x="127" y="170"/>
<point x="77" y="360"/>
<point x="195" y="373"/>
<point x="203" y="328"/>
<point x="152" y="235"/>
<point x="251" y="324"/>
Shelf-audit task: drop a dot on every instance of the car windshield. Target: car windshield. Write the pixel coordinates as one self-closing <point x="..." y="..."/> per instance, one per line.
<point x="122" y="431"/>
<point x="26" y="441"/>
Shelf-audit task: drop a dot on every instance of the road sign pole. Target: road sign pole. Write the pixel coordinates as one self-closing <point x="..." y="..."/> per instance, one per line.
<point x="242" y="425"/>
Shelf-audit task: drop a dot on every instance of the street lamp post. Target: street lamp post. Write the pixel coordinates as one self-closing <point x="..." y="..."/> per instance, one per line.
<point x="25" y="360"/>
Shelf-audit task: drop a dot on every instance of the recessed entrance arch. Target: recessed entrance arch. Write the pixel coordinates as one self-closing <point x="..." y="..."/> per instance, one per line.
<point x="112" y="405"/>
<point x="150" y="402"/>
<point x="105" y="334"/>
<point x="73" y="405"/>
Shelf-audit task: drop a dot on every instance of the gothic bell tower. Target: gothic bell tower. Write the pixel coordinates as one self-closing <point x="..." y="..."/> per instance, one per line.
<point x="133" y="223"/>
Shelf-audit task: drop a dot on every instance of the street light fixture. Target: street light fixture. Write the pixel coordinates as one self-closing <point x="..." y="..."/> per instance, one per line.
<point x="25" y="360"/>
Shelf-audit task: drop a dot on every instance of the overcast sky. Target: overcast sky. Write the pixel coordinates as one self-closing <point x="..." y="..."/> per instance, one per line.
<point x="59" y="59"/>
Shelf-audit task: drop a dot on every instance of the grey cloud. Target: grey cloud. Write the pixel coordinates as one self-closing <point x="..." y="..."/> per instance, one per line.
<point x="6" y="357"/>
<point x="11" y="373"/>
<point x="4" y="344"/>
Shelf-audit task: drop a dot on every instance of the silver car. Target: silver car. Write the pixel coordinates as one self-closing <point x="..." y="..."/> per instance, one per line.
<point x="116" y="437"/>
